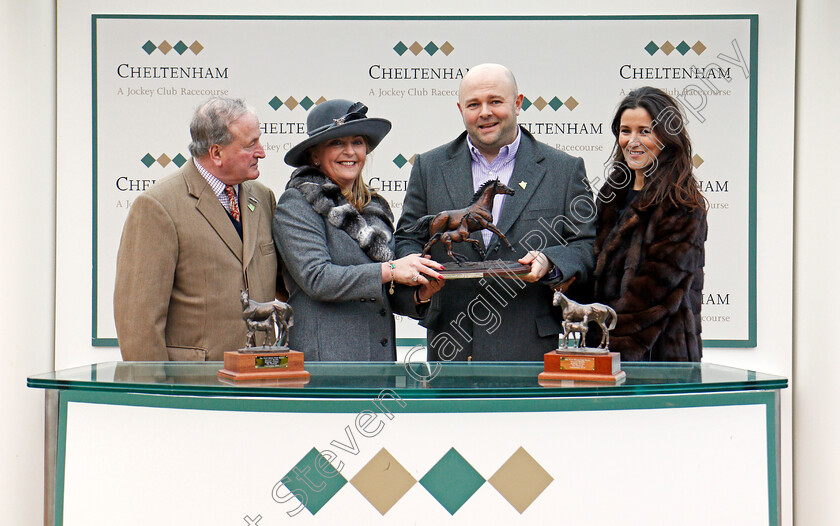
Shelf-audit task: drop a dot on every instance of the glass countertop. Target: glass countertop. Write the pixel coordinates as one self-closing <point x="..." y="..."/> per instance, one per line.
<point x="415" y="380"/>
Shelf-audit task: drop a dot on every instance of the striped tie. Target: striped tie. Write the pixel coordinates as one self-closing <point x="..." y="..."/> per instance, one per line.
<point x="233" y="204"/>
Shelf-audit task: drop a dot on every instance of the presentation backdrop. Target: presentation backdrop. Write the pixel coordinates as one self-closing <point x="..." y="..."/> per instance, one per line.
<point x="150" y="72"/>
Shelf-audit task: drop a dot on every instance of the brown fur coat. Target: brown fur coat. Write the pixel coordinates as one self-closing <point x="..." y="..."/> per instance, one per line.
<point x="649" y="268"/>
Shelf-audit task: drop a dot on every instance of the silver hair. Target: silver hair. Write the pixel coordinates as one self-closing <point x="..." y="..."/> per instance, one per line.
<point x="211" y="123"/>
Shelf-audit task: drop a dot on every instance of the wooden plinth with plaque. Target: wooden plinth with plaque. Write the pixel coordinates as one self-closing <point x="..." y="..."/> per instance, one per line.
<point x="586" y="366"/>
<point x="482" y="269"/>
<point x="254" y="364"/>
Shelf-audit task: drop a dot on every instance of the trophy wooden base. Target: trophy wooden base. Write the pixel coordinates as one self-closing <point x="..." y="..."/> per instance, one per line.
<point x="481" y="269"/>
<point x="264" y="365"/>
<point x="581" y="366"/>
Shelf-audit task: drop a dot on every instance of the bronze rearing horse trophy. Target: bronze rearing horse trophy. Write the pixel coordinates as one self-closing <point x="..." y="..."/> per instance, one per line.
<point x="455" y="226"/>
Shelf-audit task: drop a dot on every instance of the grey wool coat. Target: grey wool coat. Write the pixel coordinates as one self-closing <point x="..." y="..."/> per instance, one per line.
<point x="501" y="319"/>
<point x="342" y="309"/>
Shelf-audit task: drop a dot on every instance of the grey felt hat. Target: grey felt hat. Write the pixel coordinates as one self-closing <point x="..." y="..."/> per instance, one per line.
<point x="337" y="118"/>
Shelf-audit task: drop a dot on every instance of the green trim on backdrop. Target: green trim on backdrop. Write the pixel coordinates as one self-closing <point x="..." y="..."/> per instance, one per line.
<point x="753" y="177"/>
<point x="95" y="340"/>
<point x="750" y="341"/>
<point x="766" y="398"/>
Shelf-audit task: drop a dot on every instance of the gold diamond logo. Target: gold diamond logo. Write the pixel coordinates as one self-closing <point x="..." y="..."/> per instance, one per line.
<point x="164" y="160"/>
<point x="571" y="103"/>
<point x="165" y="47"/>
<point x="411" y="160"/>
<point x="667" y="47"/>
<point x="520" y="480"/>
<point x="416" y="48"/>
<point x="447" y="48"/>
<point x="698" y="47"/>
<point x="319" y="101"/>
<point x="697" y="160"/>
<point x="540" y="103"/>
<point x="291" y="103"/>
<point x="383" y="481"/>
<point x="196" y="48"/>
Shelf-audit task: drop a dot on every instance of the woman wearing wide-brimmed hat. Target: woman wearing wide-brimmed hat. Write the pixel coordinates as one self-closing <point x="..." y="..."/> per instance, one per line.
<point x="335" y="236"/>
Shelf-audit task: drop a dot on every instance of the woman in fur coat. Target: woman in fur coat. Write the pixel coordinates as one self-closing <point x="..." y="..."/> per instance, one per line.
<point x="649" y="247"/>
<point x="335" y="237"/>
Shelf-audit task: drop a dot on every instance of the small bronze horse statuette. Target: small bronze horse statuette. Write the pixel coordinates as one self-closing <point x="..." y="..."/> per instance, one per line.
<point x="455" y="226"/>
<point x="264" y="317"/>
<point x="576" y="318"/>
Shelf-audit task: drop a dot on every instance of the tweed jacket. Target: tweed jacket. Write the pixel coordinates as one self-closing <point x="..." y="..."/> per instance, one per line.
<point x="181" y="267"/>
<point x="649" y="268"/>
<point x="501" y="319"/>
<point x="342" y="309"/>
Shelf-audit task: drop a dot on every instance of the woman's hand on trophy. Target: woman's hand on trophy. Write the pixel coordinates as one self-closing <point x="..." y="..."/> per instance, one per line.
<point x="412" y="270"/>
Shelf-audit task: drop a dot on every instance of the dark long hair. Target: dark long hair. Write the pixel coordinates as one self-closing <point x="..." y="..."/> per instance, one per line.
<point x="672" y="177"/>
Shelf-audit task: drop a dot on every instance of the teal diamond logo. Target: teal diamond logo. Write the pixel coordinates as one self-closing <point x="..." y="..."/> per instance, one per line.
<point x="400" y="161"/>
<point x="555" y="103"/>
<point x="275" y="103"/>
<point x="148" y="160"/>
<point x="314" y="481"/>
<point x="652" y="48"/>
<point x="307" y="103"/>
<point x="683" y="48"/>
<point x="431" y="48"/>
<point x="526" y="103"/>
<point x="400" y="48"/>
<point x="180" y="47"/>
<point x="179" y="160"/>
<point x="148" y="47"/>
<point x="452" y="481"/>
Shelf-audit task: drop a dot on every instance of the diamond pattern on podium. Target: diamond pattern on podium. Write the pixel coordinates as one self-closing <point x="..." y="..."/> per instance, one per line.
<point x="314" y="481"/>
<point x="383" y="481"/>
<point x="520" y="480"/>
<point x="667" y="47"/>
<point x="447" y="48"/>
<point x="452" y="481"/>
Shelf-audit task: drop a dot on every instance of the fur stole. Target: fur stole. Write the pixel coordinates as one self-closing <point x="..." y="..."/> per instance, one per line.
<point x="372" y="228"/>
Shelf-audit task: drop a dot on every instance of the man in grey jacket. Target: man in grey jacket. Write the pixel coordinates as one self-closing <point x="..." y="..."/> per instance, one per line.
<point x="550" y="222"/>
